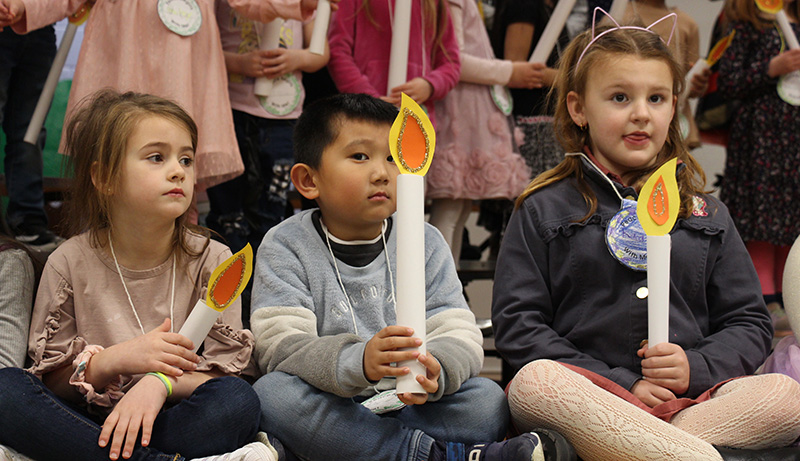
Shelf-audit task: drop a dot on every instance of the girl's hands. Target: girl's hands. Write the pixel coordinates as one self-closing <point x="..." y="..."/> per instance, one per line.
<point x="651" y="394"/>
<point x="784" y="63"/>
<point x="281" y="61"/>
<point x="158" y="350"/>
<point x="11" y="11"/>
<point x="430" y="382"/>
<point x="136" y="410"/>
<point x="417" y="89"/>
<point x="382" y="350"/>
<point x="666" y="365"/>
<point x="252" y="64"/>
<point x="527" y="75"/>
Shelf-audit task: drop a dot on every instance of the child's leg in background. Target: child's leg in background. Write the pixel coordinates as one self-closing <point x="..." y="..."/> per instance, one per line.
<point x="450" y="216"/>
<point x="329" y="424"/>
<point x="769" y="261"/>
<point x="599" y="424"/>
<point x="752" y="412"/>
<point x="268" y="191"/>
<point x="219" y="417"/>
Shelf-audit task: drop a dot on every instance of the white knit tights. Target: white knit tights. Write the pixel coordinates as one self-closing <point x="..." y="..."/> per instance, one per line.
<point x="449" y="216"/>
<point x="753" y="412"/>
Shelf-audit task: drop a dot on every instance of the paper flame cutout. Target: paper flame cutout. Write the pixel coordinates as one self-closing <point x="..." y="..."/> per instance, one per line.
<point x="659" y="201"/>
<point x="412" y="139"/>
<point x="770" y="6"/>
<point x="80" y="16"/>
<point x="229" y="279"/>
<point x="719" y="49"/>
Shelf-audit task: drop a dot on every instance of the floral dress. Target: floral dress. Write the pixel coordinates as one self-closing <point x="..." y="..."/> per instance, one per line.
<point x="762" y="168"/>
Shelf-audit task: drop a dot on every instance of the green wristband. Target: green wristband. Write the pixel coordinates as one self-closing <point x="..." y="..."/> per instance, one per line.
<point x="164" y="379"/>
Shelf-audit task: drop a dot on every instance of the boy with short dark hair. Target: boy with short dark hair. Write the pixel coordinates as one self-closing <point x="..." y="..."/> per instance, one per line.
<point x="323" y="315"/>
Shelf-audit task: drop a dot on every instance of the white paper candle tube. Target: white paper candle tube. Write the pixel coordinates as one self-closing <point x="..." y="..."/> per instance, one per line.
<point x="791" y="288"/>
<point x="658" y="264"/>
<point x="786" y="28"/>
<point x="617" y="10"/>
<point x="398" y="53"/>
<point x="411" y="271"/>
<point x="199" y="323"/>
<point x="320" y="32"/>
<point x="269" y="39"/>
<point x="46" y="98"/>
<point x="552" y="31"/>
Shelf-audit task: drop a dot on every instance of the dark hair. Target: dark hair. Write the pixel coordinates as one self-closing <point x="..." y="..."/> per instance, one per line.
<point x="319" y="125"/>
<point x="96" y="139"/>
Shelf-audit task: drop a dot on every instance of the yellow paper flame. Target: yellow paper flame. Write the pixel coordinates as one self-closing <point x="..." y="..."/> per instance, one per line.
<point x="719" y="48"/>
<point x="770" y="6"/>
<point x="229" y="279"/>
<point x="412" y="139"/>
<point x="659" y="201"/>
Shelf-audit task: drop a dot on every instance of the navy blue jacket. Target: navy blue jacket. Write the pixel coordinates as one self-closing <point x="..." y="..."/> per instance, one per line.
<point x="559" y="293"/>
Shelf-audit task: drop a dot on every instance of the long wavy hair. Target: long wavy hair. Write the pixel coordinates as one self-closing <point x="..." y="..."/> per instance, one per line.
<point x="96" y="140"/>
<point x="623" y="42"/>
<point x="747" y="11"/>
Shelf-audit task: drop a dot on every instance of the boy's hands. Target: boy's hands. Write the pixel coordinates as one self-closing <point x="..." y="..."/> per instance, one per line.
<point x="430" y="382"/>
<point x="666" y="365"/>
<point x="136" y="410"/>
<point x="11" y="11"/>
<point x="382" y="350"/>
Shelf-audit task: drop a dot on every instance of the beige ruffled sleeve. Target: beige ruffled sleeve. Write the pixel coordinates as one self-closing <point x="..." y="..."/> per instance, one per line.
<point x="53" y="341"/>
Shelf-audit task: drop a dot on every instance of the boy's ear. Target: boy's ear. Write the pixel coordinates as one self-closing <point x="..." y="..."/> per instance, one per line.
<point x="575" y="108"/>
<point x="304" y="180"/>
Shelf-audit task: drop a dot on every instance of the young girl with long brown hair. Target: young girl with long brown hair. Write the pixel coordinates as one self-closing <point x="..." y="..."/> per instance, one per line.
<point x="570" y="292"/>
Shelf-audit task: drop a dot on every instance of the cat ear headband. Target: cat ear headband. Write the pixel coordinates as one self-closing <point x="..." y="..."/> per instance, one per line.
<point x="672" y="16"/>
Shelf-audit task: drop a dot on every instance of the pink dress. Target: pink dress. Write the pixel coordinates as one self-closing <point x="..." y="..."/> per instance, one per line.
<point x="128" y="48"/>
<point x="476" y="156"/>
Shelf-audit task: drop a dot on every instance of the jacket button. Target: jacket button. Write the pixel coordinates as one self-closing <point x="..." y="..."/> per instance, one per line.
<point x="642" y="292"/>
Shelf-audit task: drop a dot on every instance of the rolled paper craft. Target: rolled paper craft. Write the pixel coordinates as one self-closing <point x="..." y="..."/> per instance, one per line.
<point x="412" y="142"/>
<point x="776" y="7"/>
<point x="657" y="209"/>
<point x="320" y="32"/>
<point x="224" y="286"/>
<point x="703" y="64"/>
<point x="552" y="31"/>
<point x="49" y="89"/>
<point x="398" y="52"/>
<point x="269" y="38"/>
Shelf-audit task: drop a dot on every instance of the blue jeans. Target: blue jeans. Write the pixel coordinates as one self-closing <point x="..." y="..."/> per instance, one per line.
<point x="25" y="61"/>
<point x="243" y="209"/>
<point x="220" y="416"/>
<point x="314" y="424"/>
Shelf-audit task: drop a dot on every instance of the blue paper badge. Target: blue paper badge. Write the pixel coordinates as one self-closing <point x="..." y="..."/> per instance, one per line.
<point x="626" y="239"/>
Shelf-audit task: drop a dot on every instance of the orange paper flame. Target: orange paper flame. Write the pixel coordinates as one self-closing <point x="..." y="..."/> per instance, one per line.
<point x="719" y="48"/>
<point x="80" y="16"/>
<point x="412" y="139"/>
<point x="229" y="279"/>
<point x="659" y="201"/>
<point x="770" y="6"/>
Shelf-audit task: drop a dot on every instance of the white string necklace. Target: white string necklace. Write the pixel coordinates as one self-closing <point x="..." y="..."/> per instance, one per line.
<point x="339" y="275"/>
<point x="122" y="279"/>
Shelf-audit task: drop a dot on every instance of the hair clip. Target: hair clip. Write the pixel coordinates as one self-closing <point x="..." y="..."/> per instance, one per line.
<point x="646" y="29"/>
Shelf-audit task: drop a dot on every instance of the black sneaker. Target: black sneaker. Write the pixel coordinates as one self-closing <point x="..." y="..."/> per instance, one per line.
<point x="36" y="236"/>
<point x="537" y="445"/>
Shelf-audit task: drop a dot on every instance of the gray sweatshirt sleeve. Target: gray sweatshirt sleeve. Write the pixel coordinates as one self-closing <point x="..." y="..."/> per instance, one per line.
<point x="16" y="302"/>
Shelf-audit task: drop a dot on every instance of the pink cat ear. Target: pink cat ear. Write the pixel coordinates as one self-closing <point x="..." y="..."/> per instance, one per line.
<point x="674" y="18"/>
<point x="594" y="19"/>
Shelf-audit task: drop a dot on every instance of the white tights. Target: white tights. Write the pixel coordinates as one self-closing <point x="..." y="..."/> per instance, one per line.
<point x="752" y="412"/>
<point x="449" y="216"/>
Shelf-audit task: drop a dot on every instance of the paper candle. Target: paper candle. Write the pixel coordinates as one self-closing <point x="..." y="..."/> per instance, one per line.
<point x="657" y="209"/>
<point x="702" y="64"/>
<point x="224" y="286"/>
<point x="552" y="31"/>
<point x="617" y="10"/>
<point x="320" y="32"/>
<point x="776" y="7"/>
<point x="269" y="36"/>
<point x="46" y="97"/>
<point x="411" y="141"/>
<point x="398" y="53"/>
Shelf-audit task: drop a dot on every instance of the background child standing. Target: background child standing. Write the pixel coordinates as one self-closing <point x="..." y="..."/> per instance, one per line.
<point x="360" y="39"/>
<point x="574" y="321"/>
<point x="111" y="298"/>
<point x="762" y="165"/>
